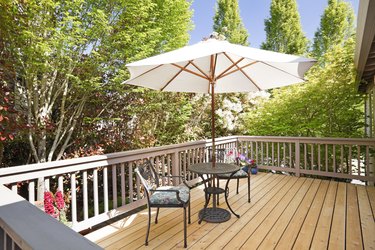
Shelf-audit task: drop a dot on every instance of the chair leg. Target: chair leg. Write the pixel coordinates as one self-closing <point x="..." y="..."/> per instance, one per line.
<point x="148" y="226"/>
<point x="248" y="188"/>
<point x="189" y="213"/>
<point x="156" y="217"/>
<point x="185" y="229"/>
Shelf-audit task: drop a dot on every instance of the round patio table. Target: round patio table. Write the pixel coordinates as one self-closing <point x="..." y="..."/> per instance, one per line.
<point x="214" y="214"/>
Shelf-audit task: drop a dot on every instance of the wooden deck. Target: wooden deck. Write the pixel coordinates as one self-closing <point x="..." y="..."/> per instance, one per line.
<point x="285" y="212"/>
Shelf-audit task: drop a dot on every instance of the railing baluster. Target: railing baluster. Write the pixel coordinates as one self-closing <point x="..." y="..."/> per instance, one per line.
<point x="123" y="194"/>
<point x="73" y="201"/>
<point x="290" y="155"/>
<point x="334" y="158"/>
<point x="273" y="154"/>
<point x="319" y="160"/>
<point x="32" y="191"/>
<point x="131" y="194"/>
<point x="262" y="153"/>
<point x="326" y="156"/>
<point x="85" y="196"/>
<point x="350" y="160"/>
<point x="305" y="154"/>
<point x="61" y="183"/>
<point x="278" y="154"/>
<point x="312" y="156"/>
<point x="267" y="161"/>
<point x="105" y="188"/>
<point x="46" y="184"/>
<point x="163" y="168"/>
<point x="359" y="159"/>
<point x="96" y="192"/>
<point x="284" y="154"/>
<point x="367" y="161"/>
<point x="114" y="185"/>
<point x="341" y="166"/>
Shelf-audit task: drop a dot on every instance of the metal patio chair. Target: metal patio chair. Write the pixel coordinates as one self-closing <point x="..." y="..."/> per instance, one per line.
<point x="221" y="156"/>
<point x="159" y="196"/>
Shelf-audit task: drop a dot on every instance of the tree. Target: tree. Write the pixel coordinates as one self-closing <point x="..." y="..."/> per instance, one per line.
<point x="328" y="105"/>
<point x="283" y="29"/>
<point x="336" y="26"/>
<point x="64" y="54"/>
<point x="228" y="22"/>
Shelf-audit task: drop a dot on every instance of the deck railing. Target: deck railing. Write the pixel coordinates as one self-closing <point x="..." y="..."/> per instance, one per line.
<point x="102" y="187"/>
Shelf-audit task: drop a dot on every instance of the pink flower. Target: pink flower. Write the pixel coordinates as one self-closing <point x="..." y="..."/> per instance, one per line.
<point x="48" y="204"/>
<point x="60" y="204"/>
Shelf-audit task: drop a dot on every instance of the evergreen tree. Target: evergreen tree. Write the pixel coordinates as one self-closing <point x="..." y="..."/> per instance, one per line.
<point x="336" y="25"/>
<point x="283" y="29"/>
<point x="227" y="21"/>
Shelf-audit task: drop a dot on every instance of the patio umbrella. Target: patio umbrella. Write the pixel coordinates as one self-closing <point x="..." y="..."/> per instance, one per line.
<point x="215" y="66"/>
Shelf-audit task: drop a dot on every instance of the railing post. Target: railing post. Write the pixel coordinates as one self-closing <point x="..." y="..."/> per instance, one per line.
<point x="175" y="168"/>
<point x="297" y="164"/>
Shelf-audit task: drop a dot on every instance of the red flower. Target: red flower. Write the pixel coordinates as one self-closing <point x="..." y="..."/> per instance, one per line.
<point x="60" y="204"/>
<point x="48" y="204"/>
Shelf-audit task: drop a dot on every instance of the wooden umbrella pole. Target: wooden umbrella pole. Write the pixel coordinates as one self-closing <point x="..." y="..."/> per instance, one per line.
<point x="213" y="123"/>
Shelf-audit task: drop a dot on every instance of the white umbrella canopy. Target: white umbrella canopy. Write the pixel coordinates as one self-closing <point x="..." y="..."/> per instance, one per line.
<point x="215" y="66"/>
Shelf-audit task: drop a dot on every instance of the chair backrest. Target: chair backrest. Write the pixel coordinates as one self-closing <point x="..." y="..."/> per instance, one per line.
<point x="148" y="176"/>
<point x="228" y="155"/>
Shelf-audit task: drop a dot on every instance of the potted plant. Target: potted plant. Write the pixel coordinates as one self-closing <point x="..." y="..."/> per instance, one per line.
<point x="247" y="164"/>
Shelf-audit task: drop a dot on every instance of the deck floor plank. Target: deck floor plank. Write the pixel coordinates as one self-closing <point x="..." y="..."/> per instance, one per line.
<point x="286" y="206"/>
<point x="290" y="234"/>
<point x="285" y="212"/>
<point x="371" y="196"/>
<point x="321" y="235"/>
<point x="337" y="234"/>
<point x="353" y="226"/>
<point x="222" y="238"/>
<point x="306" y="233"/>
<point x="242" y="235"/>
<point x="273" y="236"/>
<point x="366" y="217"/>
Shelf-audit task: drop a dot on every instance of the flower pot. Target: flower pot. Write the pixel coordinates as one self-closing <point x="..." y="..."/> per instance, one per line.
<point x="254" y="170"/>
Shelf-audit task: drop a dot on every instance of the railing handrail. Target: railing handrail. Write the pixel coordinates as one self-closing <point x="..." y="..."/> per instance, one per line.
<point x="37" y="230"/>
<point x="98" y="158"/>
<point x="327" y="140"/>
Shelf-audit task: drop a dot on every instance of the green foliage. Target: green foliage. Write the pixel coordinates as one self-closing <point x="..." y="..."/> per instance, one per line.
<point x="283" y="29"/>
<point x="336" y="26"/>
<point x="328" y="105"/>
<point x="227" y="21"/>
<point x="66" y="61"/>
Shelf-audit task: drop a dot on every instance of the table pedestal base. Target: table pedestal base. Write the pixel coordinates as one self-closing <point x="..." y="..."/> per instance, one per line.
<point x="214" y="215"/>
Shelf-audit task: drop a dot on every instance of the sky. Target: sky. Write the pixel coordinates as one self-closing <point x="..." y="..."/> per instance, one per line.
<point x="253" y="14"/>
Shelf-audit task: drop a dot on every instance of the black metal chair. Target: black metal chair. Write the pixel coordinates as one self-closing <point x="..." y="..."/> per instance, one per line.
<point x="221" y="156"/>
<point x="163" y="196"/>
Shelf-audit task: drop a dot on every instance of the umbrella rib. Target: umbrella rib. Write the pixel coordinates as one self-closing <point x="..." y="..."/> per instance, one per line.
<point x="147" y="71"/>
<point x="189" y="71"/>
<point x="225" y="71"/>
<point x="283" y="71"/>
<point x="243" y="72"/>
<point x="238" y="68"/>
<point x="174" y="77"/>
<point x="200" y="70"/>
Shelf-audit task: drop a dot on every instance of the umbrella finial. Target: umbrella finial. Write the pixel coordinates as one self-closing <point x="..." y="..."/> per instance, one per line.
<point x="215" y="35"/>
